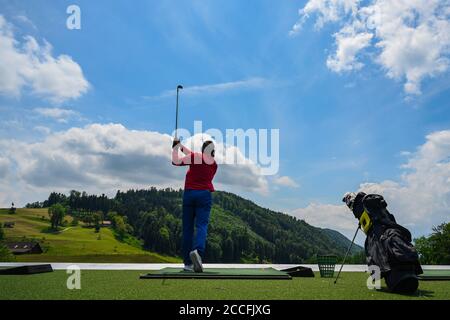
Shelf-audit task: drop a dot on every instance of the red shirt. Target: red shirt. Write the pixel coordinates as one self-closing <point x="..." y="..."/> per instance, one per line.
<point x="201" y="171"/>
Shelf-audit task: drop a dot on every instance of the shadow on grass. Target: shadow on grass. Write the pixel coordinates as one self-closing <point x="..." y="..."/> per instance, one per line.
<point x="419" y="293"/>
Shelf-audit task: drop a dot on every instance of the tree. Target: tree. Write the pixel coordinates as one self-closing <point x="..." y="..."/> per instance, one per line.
<point x="436" y="248"/>
<point x="36" y="204"/>
<point x="119" y="225"/>
<point x="2" y="233"/>
<point x="358" y="258"/>
<point x="5" y="254"/>
<point x="425" y="250"/>
<point x="55" y="198"/>
<point x="97" y="220"/>
<point x="56" y="213"/>
<point x="75" y="222"/>
<point x="228" y="252"/>
<point x="74" y="199"/>
<point x="12" y="210"/>
<point x="88" y="218"/>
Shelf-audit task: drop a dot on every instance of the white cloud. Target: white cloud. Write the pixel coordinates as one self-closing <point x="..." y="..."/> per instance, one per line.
<point x="25" y="20"/>
<point x="58" y="114"/>
<point x="251" y="83"/>
<point x="336" y="217"/>
<point x="42" y="129"/>
<point x="422" y="196"/>
<point x="410" y="38"/>
<point x="285" y="181"/>
<point x="348" y="45"/>
<point x="326" y="10"/>
<point x="4" y="167"/>
<point x="27" y="64"/>
<point x="103" y="158"/>
<point x="419" y="200"/>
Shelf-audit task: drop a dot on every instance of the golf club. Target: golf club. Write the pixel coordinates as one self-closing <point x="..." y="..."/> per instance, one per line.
<point x="176" y="116"/>
<point x="348" y="250"/>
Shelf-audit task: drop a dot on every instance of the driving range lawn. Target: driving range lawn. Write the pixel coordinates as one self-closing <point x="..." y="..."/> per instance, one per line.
<point x="127" y="285"/>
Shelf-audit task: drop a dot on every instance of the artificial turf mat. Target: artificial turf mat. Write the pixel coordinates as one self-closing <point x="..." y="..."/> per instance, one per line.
<point x="101" y="284"/>
<point x="38" y="268"/>
<point x="219" y="273"/>
<point x="441" y="275"/>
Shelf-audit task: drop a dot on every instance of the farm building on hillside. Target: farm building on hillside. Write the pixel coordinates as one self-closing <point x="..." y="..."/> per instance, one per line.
<point x="106" y="223"/>
<point x="24" y="247"/>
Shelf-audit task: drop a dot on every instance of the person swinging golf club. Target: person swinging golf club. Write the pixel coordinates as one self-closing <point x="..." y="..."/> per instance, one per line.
<point x="197" y="200"/>
<point x="196" y="197"/>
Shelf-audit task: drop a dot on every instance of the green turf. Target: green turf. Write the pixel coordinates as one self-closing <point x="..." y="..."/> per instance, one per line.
<point x="218" y="273"/>
<point x="435" y="275"/>
<point x="437" y="272"/>
<point x="74" y="243"/>
<point x="127" y="285"/>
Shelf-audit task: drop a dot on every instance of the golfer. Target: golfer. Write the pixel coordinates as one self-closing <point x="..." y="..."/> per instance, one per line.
<point x="196" y="200"/>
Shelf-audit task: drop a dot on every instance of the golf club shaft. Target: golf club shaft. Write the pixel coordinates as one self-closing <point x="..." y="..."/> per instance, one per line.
<point x="176" y="117"/>
<point x="346" y="254"/>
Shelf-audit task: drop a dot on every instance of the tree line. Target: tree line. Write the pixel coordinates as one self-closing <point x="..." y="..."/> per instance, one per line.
<point x="435" y="249"/>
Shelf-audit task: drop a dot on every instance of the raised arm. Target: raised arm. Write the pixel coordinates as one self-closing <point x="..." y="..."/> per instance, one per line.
<point x="176" y="159"/>
<point x="185" y="150"/>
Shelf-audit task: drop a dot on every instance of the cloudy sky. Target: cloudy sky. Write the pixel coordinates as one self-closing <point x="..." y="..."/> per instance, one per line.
<point x="360" y="91"/>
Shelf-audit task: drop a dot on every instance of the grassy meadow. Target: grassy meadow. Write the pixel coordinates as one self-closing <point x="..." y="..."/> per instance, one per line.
<point x="73" y="243"/>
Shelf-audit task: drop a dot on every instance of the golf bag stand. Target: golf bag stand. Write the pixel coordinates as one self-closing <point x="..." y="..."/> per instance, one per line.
<point x="388" y="244"/>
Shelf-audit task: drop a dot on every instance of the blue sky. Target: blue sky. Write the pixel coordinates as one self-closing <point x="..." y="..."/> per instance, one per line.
<point x="338" y="130"/>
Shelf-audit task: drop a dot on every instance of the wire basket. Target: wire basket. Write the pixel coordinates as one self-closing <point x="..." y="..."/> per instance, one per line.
<point x="326" y="265"/>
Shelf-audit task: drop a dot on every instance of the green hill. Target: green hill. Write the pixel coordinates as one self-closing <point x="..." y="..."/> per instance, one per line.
<point x="239" y="231"/>
<point x="343" y="241"/>
<point x="73" y="243"/>
<point x="294" y="239"/>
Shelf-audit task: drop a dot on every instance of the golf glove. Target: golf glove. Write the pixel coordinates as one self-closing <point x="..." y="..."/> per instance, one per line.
<point x="175" y="143"/>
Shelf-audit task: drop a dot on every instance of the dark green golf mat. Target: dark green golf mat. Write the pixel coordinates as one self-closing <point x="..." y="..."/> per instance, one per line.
<point x="219" y="273"/>
<point x="430" y="275"/>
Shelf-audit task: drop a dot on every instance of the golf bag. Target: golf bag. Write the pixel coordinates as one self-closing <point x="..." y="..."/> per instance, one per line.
<point x="388" y="244"/>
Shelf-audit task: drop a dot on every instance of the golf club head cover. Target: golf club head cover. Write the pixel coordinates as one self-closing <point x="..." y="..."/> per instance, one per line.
<point x="355" y="203"/>
<point x="349" y="198"/>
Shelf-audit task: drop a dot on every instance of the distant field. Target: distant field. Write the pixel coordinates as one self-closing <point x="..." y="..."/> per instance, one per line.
<point x="73" y="244"/>
<point x="127" y="285"/>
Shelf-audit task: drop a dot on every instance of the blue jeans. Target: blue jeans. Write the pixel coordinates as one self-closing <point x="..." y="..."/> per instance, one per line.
<point x="196" y="211"/>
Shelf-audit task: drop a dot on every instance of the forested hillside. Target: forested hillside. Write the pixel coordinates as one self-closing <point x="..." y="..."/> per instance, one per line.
<point x="240" y="230"/>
